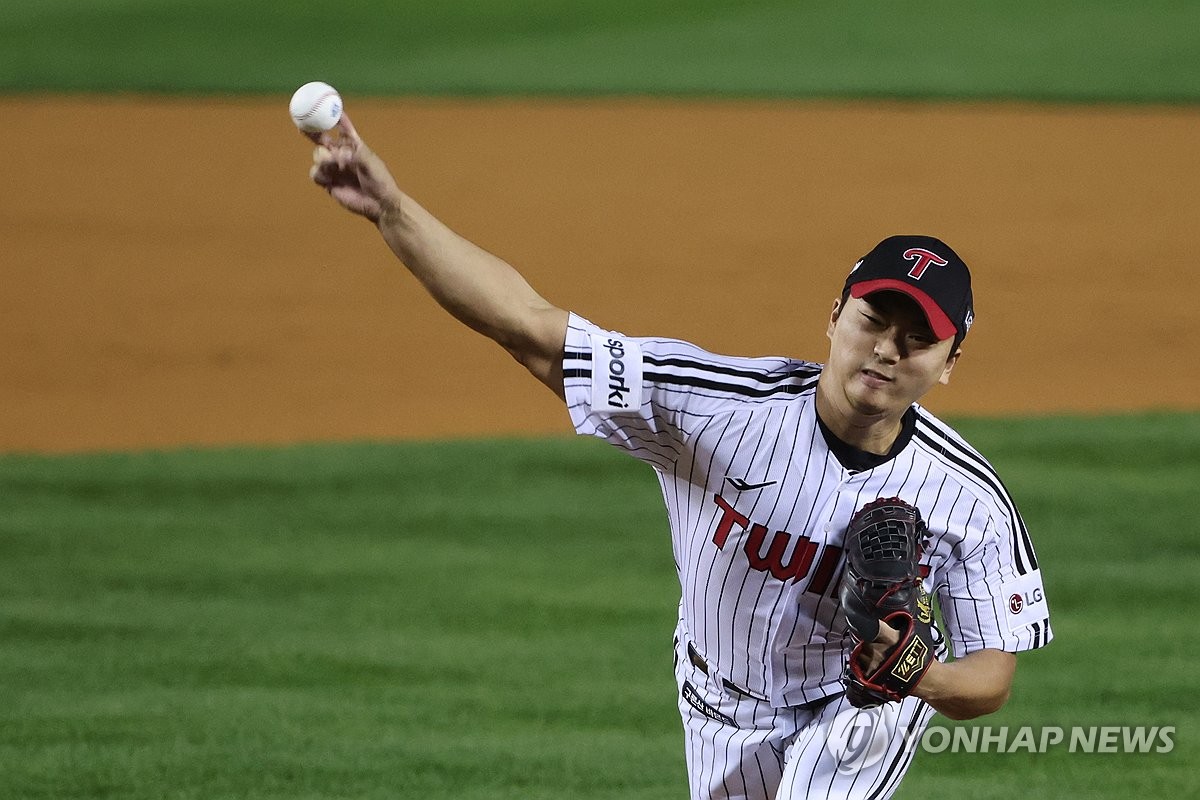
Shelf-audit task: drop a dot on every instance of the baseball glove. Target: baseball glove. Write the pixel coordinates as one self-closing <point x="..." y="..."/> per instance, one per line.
<point x="882" y="584"/>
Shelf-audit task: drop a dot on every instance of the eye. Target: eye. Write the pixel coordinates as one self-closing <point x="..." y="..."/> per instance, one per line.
<point x="922" y="340"/>
<point x="871" y="318"/>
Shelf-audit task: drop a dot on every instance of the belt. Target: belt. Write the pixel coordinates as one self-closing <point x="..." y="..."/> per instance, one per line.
<point x="699" y="663"/>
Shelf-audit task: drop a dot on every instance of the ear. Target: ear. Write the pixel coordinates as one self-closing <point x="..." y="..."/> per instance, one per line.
<point x="950" y="362"/>
<point x="833" y="317"/>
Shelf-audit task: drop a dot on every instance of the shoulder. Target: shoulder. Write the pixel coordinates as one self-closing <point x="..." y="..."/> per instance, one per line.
<point x="960" y="463"/>
<point x="679" y="363"/>
<point x="949" y="453"/>
<point x="949" y="445"/>
<point x="681" y="366"/>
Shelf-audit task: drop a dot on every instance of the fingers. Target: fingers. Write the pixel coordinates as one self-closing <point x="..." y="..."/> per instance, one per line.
<point x="871" y="656"/>
<point x="337" y="145"/>
<point x="347" y="129"/>
<point x="330" y="161"/>
<point x="339" y="170"/>
<point x="344" y="166"/>
<point x="341" y="134"/>
<point x="319" y="175"/>
<point x="323" y="160"/>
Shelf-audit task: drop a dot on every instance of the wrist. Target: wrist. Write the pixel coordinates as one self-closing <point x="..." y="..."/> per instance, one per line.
<point x="932" y="686"/>
<point x="391" y="212"/>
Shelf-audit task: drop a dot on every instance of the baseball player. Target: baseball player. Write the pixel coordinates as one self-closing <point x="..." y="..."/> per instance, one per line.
<point x="763" y="462"/>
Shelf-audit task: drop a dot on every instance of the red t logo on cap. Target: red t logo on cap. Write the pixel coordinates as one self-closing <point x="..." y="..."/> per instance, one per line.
<point x="923" y="258"/>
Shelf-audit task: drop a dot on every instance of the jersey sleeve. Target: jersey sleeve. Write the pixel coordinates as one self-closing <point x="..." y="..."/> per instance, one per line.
<point x="650" y="396"/>
<point x="993" y="596"/>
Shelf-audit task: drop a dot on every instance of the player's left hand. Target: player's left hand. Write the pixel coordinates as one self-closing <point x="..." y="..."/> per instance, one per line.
<point x="871" y="654"/>
<point x="887" y="609"/>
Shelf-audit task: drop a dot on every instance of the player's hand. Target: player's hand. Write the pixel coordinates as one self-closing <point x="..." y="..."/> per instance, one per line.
<point x="873" y="653"/>
<point x="351" y="172"/>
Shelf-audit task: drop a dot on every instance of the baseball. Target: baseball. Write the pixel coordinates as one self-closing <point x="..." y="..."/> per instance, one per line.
<point x="316" y="107"/>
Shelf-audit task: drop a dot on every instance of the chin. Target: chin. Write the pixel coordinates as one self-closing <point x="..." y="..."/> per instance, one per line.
<point x="872" y="405"/>
<point x="867" y="409"/>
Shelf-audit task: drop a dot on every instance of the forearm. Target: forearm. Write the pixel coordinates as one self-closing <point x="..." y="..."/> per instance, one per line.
<point x="970" y="687"/>
<point x="479" y="289"/>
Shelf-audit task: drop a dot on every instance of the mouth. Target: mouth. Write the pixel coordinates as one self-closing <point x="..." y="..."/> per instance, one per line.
<point x="875" y="379"/>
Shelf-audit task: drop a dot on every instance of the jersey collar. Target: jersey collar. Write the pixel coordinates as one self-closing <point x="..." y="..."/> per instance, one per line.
<point x="854" y="460"/>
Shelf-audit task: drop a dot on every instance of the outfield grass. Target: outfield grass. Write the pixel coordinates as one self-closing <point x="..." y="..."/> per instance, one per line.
<point x="365" y="621"/>
<point x="1078" y="50"/>
<point x="471" y="620"/>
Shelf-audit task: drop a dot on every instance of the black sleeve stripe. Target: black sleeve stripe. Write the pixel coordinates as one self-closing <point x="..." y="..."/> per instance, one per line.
<point x="759" y="376"/>
<point x="702" y="392"/>
<point x="766" y="383"/>
<point x="576" y="355"/>
<point x="674" y="392"/>
<point x="667" y="380"/>
<point x="988" y="477"/>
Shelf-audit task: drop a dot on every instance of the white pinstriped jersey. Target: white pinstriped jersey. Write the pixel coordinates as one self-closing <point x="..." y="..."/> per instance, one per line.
<point x="758" y="506"/>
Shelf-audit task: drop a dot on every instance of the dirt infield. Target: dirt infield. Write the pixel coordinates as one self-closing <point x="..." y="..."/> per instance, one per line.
<point x="171" y="277"/>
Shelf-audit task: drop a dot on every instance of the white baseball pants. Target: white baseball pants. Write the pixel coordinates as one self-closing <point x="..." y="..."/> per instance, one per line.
<point x="741" y="748"/>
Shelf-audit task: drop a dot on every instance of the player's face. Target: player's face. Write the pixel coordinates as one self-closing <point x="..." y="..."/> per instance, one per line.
<point x="883" y="356"/>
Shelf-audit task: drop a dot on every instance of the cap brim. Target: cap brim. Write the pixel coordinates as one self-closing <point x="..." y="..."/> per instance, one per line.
<point x="939" y="323"/>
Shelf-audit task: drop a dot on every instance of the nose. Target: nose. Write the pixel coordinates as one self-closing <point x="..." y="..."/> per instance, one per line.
<point x="888" y="348"/>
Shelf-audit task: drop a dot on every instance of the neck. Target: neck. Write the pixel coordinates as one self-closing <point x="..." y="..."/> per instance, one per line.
<point x="872" y="432"/>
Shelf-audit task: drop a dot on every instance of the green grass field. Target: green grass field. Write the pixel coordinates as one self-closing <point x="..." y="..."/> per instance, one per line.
<point x="1074" y="50"/>
<point x="493" y="620"/>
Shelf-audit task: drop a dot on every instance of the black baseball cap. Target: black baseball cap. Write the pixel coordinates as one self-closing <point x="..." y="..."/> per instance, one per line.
<point x="925" y="269"/>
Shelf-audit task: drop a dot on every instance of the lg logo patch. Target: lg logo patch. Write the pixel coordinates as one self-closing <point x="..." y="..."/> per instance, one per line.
<point x="1018" y="602"/>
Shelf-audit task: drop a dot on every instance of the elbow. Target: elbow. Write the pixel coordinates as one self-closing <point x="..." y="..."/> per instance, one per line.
<point x="996" y="702"/>
<point x="537" y="342"/>
<point x="977" y="707"/>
